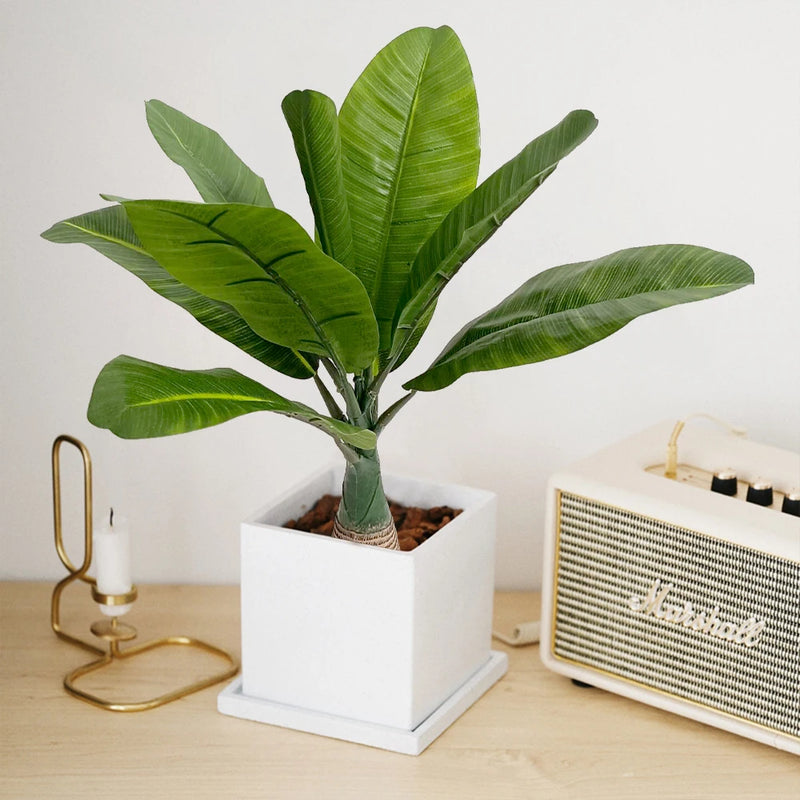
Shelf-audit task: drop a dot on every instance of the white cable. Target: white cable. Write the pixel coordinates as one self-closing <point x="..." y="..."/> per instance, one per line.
<point x="734" y="429"/>
<point x="525" y="633"/>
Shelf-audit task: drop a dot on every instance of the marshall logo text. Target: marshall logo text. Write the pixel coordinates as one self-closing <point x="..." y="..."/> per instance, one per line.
<point x="682" y="613"/>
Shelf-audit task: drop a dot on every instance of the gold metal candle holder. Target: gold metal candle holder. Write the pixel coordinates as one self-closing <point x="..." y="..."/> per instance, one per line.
<point x="110" y="630"/>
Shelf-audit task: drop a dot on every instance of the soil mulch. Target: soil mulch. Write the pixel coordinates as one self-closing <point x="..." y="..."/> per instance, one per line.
<point x="414" y="525"/>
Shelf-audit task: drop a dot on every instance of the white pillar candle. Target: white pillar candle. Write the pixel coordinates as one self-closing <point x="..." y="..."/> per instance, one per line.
<point x="112" y="558"/>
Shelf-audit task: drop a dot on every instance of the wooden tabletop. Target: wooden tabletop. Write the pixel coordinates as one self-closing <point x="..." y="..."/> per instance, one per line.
<point x="534" y="735"/>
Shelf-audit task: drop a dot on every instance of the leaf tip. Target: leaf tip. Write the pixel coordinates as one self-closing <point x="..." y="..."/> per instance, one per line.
<point x="50" y="232"/>
<point x="586" y="116"/>
<point x="290" y="98"/>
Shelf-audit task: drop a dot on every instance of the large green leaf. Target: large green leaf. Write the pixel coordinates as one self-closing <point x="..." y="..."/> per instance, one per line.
<point x="261" y="262"/>
<point x="218" y="173"/>
<point x="137" y="399"/>
<point x="410" y="145"/>
<point x="475" y="219"/>
<point x="569" y="307"/>
<point x="312" y="119"/>
<point x="109" y="231"/>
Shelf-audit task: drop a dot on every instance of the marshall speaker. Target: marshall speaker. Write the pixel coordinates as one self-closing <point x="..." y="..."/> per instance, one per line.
<point x="676" y="581"/>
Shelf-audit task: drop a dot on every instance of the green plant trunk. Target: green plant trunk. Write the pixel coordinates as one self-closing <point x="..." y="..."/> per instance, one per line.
<point x="364" y="514"/>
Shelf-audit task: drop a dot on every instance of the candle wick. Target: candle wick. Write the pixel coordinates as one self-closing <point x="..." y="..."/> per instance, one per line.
<point x="111" y="519"/>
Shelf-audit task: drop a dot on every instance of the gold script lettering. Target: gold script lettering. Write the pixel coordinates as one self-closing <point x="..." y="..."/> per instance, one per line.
<point x="708" y="622"/>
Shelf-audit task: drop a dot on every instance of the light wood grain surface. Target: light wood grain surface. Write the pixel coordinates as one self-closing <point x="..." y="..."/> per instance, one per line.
<point x="534" y="735"/>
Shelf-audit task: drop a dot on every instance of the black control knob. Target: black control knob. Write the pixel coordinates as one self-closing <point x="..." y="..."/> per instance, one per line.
<point x="760" y="492"/>
<point x="724" y="482"/>
<point x="791" y="502"/>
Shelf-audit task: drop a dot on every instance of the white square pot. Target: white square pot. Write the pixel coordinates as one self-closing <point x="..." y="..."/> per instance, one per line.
<point x="378" y="646"/>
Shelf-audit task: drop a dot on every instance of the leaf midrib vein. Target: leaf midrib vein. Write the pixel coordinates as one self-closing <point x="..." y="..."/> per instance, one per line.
<point x="177" y="398"/>
<point x="296" y="298"/>
<point x="380" y="263"/>
<point x="322" y="222"/>
<point x="212" y="176"/>
<point x="111" y="239"/>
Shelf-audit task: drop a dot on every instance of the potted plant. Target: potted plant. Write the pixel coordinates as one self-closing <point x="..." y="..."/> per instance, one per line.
<point x="392" y="181"/>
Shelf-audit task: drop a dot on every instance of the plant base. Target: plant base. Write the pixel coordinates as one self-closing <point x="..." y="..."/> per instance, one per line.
<point x="233" y="702"/>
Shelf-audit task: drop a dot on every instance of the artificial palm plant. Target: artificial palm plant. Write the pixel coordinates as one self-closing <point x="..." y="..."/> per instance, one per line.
<point x="392" y="182"/>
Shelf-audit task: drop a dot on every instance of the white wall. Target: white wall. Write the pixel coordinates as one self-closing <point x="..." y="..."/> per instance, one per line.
<point x="699" y="119"/>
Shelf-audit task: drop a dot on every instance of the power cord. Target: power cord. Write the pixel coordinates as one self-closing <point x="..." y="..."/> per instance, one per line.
<point x="525" y="633"/>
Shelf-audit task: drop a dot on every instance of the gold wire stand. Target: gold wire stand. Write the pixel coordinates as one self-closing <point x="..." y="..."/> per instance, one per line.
<point x="109" y="629"/>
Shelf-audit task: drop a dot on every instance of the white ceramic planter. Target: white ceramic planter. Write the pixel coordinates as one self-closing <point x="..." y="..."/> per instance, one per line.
<point x="380" y="647"/>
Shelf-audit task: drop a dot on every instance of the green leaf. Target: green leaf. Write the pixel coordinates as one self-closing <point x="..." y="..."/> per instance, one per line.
<point x="218" y="173"/>
<point x="261" y="262"/>
<point x="476" y="218"/>
<point x="312" y="119"/>
<point x="108" y="231"/>
<point x="569" y="307"/>
<point x="410" y="147"/>
<point x="137" y="399"/>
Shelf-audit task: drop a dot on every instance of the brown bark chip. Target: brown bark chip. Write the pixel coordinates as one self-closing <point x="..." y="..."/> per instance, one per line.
<point x="414" y="525"/>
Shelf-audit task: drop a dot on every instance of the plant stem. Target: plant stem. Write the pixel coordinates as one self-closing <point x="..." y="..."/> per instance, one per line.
<point x="376" y="384"/>
<point x="330" y="402"/>
<point x="345" y="389"/>
<point x="350" y="455"/>
<point x="391" y="412"/>
<point x="364" y="509"/>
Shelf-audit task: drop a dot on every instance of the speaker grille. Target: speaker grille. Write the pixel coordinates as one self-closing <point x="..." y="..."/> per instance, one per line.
<point x="606" y="556"/>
